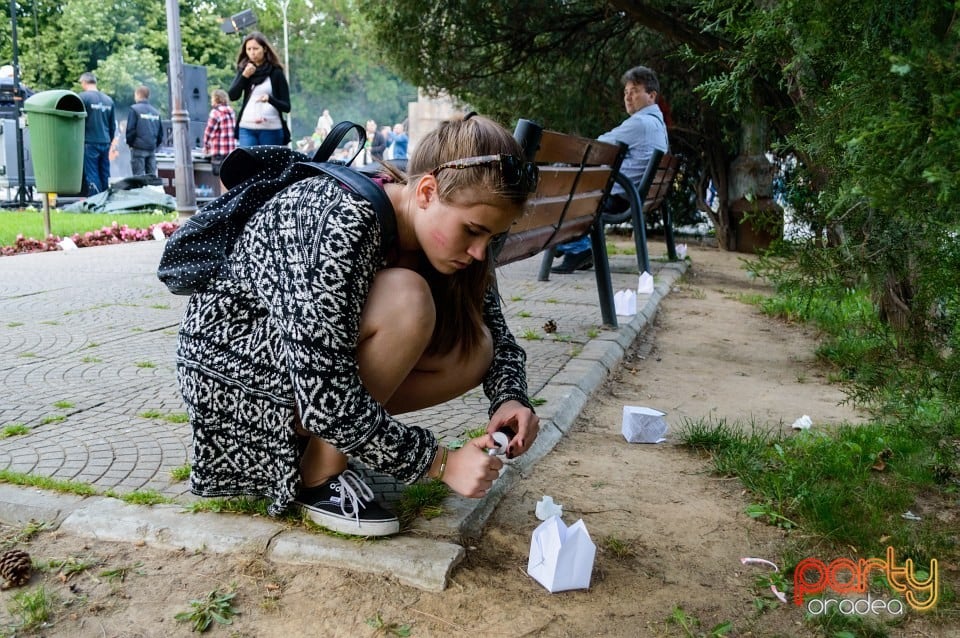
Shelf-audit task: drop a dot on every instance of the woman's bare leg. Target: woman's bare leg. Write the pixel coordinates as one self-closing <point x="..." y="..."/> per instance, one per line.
<point x="395" y="328"/>
<point x="439" y="378"/>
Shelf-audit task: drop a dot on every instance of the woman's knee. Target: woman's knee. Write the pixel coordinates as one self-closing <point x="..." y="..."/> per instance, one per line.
<point x="400" y="299"/>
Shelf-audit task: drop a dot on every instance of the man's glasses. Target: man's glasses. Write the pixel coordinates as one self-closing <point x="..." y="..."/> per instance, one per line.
<point x="514" y="171"/>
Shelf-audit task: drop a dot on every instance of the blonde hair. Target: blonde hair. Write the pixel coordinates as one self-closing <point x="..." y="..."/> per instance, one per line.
<point x="459" y="297"/>
<point x="467" y="137"/>
<point x="220" y="97"/>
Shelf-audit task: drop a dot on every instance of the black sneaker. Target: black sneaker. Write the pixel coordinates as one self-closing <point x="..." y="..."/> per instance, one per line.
<point x="345" y="504"/>
<point x="574" y="261"/>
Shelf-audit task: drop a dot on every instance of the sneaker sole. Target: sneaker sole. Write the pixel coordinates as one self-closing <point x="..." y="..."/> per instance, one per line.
<point x="349" y="526"/>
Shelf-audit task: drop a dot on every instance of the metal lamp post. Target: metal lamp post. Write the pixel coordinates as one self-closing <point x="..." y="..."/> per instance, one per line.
<point x="18" y="103"/>
<point x="182" y="157"/>
<point x="286" y="51"/>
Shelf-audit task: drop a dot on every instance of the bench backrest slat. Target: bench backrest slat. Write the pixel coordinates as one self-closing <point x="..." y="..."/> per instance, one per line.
<point x="662" y="181"/>
<point x="575" y="175"/>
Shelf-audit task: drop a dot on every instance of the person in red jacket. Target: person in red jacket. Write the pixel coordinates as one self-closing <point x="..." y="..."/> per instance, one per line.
<point x="218" y="136"/>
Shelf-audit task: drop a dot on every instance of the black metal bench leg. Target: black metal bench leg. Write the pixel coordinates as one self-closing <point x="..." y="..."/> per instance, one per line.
<point x="668" y="232"/>
<point x="601" y="267"/>
<point x="640" y="239"/>
<point x="546" y="264"/>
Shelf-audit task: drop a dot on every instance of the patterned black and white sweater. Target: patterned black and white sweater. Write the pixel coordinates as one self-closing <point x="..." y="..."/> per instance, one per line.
<point x="276" y="334"/>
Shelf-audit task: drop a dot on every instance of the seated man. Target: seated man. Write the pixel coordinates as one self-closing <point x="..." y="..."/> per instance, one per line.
<point x="643" y="131"/>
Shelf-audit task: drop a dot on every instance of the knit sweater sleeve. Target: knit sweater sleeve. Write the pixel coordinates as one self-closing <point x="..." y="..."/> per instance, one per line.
<point x="328" y="253"/>
<point x="506" y="379"/>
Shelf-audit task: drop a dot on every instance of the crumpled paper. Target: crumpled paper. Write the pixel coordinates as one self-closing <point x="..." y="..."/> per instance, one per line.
<point x="803" y="423"/>
<point x="547" y="508"/>
<point x="643" y="425"/>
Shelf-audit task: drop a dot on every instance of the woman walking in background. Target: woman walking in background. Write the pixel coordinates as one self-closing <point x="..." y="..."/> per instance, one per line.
<point x="266" y="95"/>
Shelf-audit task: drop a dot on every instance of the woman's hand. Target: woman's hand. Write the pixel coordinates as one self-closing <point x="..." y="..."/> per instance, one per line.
<point x="470" y="470"/>
<point x="521" y="421"/>
<point x="249" y="70"/>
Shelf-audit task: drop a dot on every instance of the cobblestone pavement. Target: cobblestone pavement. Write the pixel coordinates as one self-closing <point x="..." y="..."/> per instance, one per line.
<point x="87" y="343"/>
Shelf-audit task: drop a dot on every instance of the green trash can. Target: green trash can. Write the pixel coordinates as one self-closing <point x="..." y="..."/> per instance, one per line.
<point x="55" y="119"/>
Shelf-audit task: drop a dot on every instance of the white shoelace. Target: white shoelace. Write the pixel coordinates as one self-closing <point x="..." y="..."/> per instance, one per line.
<point x="355" y="492"/>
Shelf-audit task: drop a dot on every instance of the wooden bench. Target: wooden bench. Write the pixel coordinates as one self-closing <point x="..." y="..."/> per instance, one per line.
<point x="652" y="191"/>
<point x="576" y="174"/>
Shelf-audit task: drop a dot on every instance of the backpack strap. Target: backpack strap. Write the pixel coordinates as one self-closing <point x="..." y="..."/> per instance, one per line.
<point x="366" y="188"/>
<point x="335" y="136"/>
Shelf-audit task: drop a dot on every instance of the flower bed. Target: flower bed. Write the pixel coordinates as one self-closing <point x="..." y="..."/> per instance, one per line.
<point x="113" y="234"/>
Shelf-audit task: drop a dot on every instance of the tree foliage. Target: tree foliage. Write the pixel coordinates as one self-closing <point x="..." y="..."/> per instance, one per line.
<point x="126" y="44"/>
<point x="860" y="100"/>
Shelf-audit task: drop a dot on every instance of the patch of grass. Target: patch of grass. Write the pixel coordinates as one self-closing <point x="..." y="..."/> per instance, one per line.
<point x="473" y="433"/>
<point x="145" y="364"/>
<point x="67" y="568"/>
<point x="516" y="298"/>
<point x="145" y="497"/>
<point x="625" y="249"/>
<point x="63" y="405"/>
<point x="32" y="608"/>
<point x="91" y="360"/>
<point x="171" y="417"/>
<point x="524" y="314"/>
<point x="236" y="505"/>
<point x="14" y="429"/>
<point x="47" y="483"/>
<point x="593" y="333"/>
<point x="531" y="335"/>
<point x="57" y="418"/>
<point x="384" y="628"/>
<point x="119" y="574"/>
<point x="618" y="548"/>
<point x="28" y="355"/>
<point x="421" y="499"/>
<point x="537" y="401"/>
<point x="839" y="625"/>
<point x="216" y="606"/>
<point x="17" y="536"/>
<point x="29" y="223"/>
<point x="690" y="625"/>
<point x="50" y="322"/>
<point x="827" y="482"/>
<point x="14" y="324"/>
<point x="161" y="306"/>
<point x="180" y="473"/>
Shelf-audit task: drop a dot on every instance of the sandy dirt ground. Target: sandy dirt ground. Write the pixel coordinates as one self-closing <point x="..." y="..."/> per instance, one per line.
<point x="669" y="535"/>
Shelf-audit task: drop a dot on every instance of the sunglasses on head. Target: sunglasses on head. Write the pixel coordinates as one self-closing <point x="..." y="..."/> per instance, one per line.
<point x="514" y="171"/>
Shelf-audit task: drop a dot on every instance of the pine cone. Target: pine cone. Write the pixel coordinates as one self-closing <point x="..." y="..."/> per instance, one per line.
<point x="550" y="327"/>
<point x="15" y="567"/>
